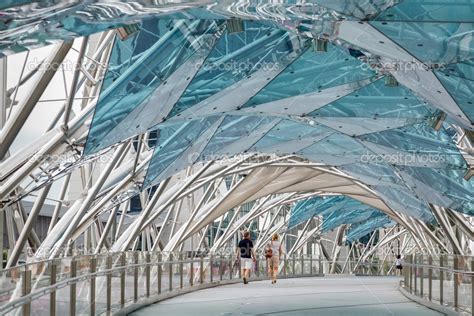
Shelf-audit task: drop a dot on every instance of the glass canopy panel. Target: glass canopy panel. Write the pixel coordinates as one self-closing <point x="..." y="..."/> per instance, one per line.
<point x="432" y="42"/>
<point x="376" y="100"/>
<point x="429" y="11"/>
<point x="28" y="24"/>
<point x="335" y="150"/>
<point x="360" y="230"/>
<point x="313" y="71"/>
<point x="449" y="183"/>
<point x="289" y="136"/>
<point x="373" y="174"/>
<point x="350" y="211"/>
<point x="309" y="208"/>
<point x="355" y="8"/>
<point x="419" y="142"/>
<point x="336" y="219"/>
<point x="335" y="210"/>
<point x="138" y="67"/>
<point x="464" y="70"/>
<point x="173" y="140"/>
<point x="403" y="200"/>
<point x="234" y="57"/>
<point x="460" y="89"/>
<point x="232" y="129"/>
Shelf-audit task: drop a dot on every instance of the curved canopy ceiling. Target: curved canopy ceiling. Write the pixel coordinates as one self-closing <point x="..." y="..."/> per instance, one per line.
<point x="375" y="89"/>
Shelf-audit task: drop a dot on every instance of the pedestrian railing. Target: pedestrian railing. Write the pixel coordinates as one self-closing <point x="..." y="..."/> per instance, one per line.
<point x="447" y="280"/>
<point x="105" y="283"/>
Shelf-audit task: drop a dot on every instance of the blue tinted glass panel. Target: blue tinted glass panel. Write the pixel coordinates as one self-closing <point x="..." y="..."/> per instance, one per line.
<point x="376" y="100"/>
<point x="434" y="148"/>
<point x="449" y="183"/>
<point x="142" y="64"/>
<point x="234" y="57"/>
<point x="432" y="42"/>
<point x="313" y="71"/>
<point x="430" y="11"/>
<point x="335" y="150"/>
<point x="461" y="90"/>
<point x="173" y="140"/>
<point x="360" y="230"/>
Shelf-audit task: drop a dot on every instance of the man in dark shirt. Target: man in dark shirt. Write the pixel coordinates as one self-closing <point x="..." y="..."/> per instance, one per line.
<point x="246" y="253"/>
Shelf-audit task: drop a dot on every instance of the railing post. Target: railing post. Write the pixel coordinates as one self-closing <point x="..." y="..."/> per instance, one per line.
<point x="456" y="282"/>
<point x="421" y="275"/>
<point x="302" y="264"/>
<point x="406" y="274"/>
<point x="147" y="274"/>
<point x="135" y="276"/>
<point x="430" y="278"/>
<point x="109" y="283"/>
<point x="441" y="279"/>
<point x="231" y="267"/>
<point x="181" y="270"/>
<point x="191" y="273"/>
<point x="311" y="264"/>
<point x="239" y="267"/>
<point x="170" y="279"/>
<point x="257" y="265"/>
<point x="211" y="261"/>
<point x="72" y="289"/>
<point x="52" y="281"/>
<point x="26" y="289"/>
<point x="415" y="261"/>
<point x="159" y="272"/>
<point x="122" y="279"/>
<point x="92" y="269"/>
<point x="410" y="272"/>
<point x="321" y="272"/>
<point x="284" y="265"/>
<point x="293" y="260"/>
<point x="472" y="284"/>
<point x="201" y="270"/>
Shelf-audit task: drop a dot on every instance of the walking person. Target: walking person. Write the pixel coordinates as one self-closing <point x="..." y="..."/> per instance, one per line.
<point x="273" y="253"/>
<point x="245" y="252"/>
<point x="398" y="265"/>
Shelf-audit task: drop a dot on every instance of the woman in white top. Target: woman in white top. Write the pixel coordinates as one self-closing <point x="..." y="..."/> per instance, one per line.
<point x="273" y="262"/>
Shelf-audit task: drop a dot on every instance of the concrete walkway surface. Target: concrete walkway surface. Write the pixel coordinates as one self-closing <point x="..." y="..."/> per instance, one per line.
<point x="330" y="295"/>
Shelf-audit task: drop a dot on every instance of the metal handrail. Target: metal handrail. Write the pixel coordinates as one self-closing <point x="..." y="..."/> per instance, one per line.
<point x="28" y="298"/>
<point x="121" y="262"/>
<point x="445" y="269"/>
<point x="417" y="273"/>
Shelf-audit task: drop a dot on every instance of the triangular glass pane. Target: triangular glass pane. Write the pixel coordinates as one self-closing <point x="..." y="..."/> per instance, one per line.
<point x="138" y="67"/>
<point x="360" y="230"/>
<point x="433" y="147"/>
<point x="234" y="57"/>
<point x="335" y="150"/>
<point x="432" y="42"/>
<point x="448" y="182"/>
<point x="461" y="90"/>
<point x="429" y="11"/>
<point x="376" y="100"/>
<point x="232" y="129"/>
<point x="286" y="136"/>
<point x="313" y="71"/>
<point x="173" y="140"/>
